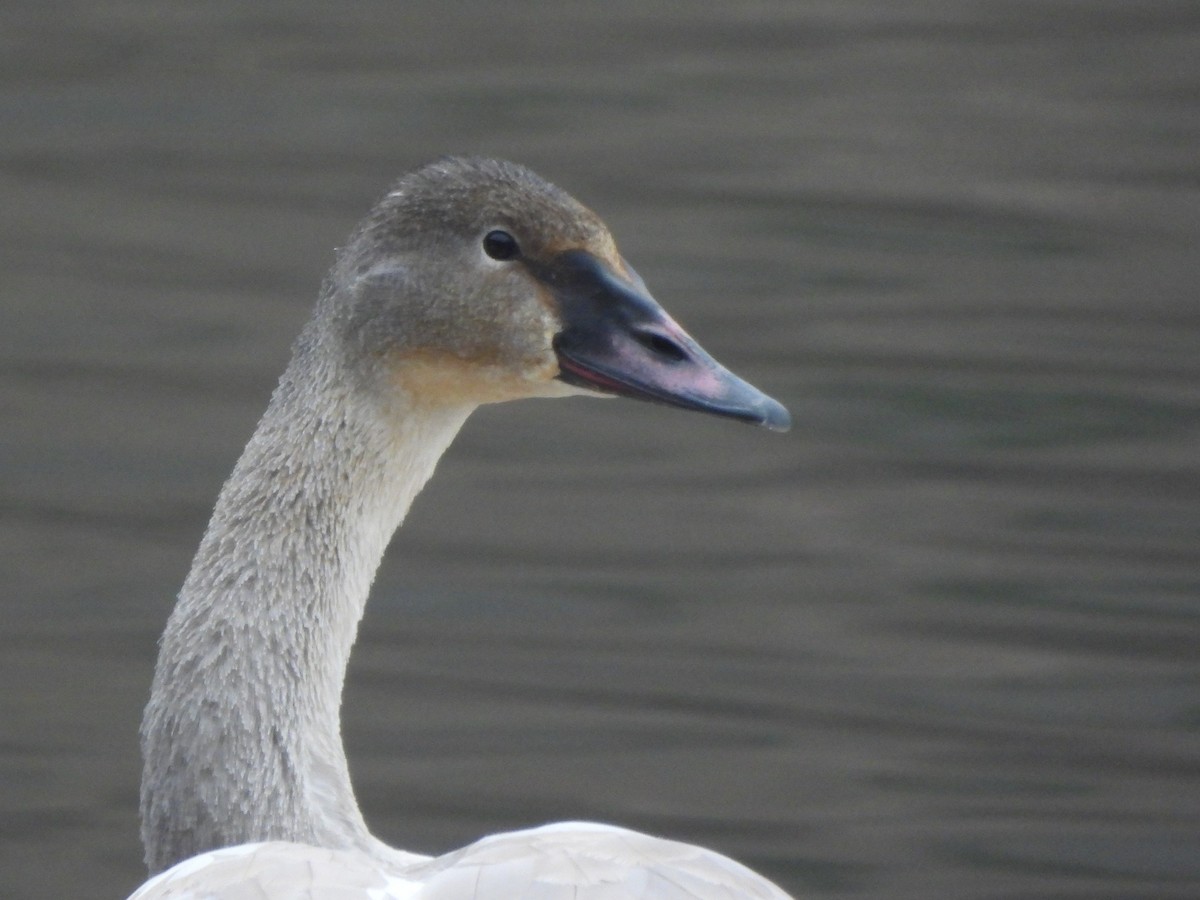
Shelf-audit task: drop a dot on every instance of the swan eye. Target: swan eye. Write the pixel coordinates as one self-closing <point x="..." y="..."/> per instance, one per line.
<point x="500" y="245"/>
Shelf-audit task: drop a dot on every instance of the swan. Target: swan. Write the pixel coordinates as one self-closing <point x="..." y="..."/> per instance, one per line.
<point x="473" y="281"/>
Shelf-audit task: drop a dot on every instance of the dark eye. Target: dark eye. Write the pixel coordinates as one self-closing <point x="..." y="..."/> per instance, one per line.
<point x="500" y="245"/>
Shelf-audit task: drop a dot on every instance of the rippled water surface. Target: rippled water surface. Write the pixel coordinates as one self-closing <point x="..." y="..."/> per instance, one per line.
<point x="941" y="640"/>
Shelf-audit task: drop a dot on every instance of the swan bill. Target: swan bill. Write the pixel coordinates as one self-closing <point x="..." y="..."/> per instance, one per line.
<point x="616" y="339"/>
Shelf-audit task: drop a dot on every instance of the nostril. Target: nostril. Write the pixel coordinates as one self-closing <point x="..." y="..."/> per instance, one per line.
<point x="663" y="346"/>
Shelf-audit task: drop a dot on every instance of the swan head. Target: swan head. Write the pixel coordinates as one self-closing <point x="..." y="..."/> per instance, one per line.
<point x="475" y="281"/>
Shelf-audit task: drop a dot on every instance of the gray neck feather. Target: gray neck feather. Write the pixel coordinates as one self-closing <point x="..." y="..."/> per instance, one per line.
<point x="241" y="738"/>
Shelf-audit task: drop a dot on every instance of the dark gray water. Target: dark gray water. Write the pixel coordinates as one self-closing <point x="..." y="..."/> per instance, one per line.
<point x="943" y="640"/>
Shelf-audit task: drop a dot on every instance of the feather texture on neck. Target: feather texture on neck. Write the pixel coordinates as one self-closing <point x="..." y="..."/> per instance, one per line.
<point x="253" y="659"/>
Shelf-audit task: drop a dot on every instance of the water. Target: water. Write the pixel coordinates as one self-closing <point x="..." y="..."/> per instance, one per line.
<point x="941" y="640"/>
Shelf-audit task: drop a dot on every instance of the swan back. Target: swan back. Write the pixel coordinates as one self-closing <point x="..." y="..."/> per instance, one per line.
<point x="563" y="861"/>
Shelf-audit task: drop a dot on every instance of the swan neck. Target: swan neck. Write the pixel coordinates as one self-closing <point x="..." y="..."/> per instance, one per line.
<point x="242" y="736"/>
